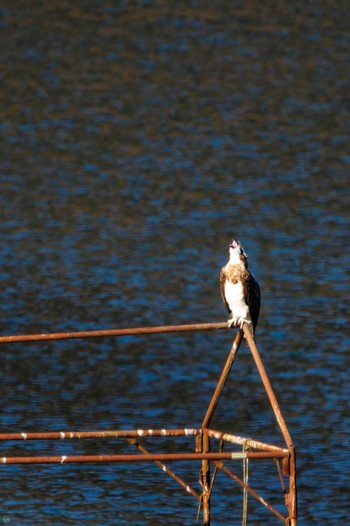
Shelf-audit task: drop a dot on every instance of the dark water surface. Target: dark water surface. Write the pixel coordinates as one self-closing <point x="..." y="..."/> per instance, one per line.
<point x="137" y="138"/>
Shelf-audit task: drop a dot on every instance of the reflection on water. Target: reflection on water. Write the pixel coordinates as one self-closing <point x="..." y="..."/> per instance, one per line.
<point x="137" y="139"/>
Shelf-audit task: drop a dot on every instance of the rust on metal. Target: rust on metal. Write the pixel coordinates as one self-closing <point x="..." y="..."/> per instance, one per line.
<point x="268" y="387"/>
<point x="71" y="435"/>
<point x="202" y="435"/>
<point x="249" y="442"/>
<point x="292" y="494"/>
<point x="204" y="479"/>
<point x="151" y="457"/>
<point x="135" y="331"/>
<point x="250" y="490"/>
<point x="167" y="470"/>
<point x="222" y="380"/>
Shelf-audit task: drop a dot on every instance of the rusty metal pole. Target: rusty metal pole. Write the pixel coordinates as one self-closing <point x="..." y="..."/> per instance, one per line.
<point x="205" y="481"/>
<point x="291" y="500"/>
<point x="221" y="383"/>
<point x="292" y="496"/>
<point x="112" y="332"/>
<point x="165" y="468"/>
<point x="205" y="471"/>
<point x="202" y="435"/>
<point x="151" y="457"/>
<point x="268" y="387"/>
<point x="258" y="497"/>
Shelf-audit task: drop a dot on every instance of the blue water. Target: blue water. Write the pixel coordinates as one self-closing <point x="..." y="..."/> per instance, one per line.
<point x="137" y="139"/>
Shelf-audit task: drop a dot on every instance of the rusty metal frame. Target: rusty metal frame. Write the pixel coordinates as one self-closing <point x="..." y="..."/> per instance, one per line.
<point x="203" y="435"/>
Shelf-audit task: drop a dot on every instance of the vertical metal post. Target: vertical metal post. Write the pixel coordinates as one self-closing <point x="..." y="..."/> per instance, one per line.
<point x="292" y="496"/>
<point x="205" y="443"/>
<point x="205" y="481"/>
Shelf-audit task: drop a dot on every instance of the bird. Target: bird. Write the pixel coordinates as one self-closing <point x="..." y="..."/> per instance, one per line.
<point x="239" y="289"/>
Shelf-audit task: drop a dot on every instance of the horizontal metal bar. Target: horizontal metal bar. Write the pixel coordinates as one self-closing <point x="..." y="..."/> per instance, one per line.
<point x="133" y="433"/>
<point x="161" y="457"/>
<point x="113" y="332"/>
<point x="234" y="439"/>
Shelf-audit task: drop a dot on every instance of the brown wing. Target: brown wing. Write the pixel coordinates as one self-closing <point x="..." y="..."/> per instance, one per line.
<point x="222" y="288"/>
<point x="253" y="298"/>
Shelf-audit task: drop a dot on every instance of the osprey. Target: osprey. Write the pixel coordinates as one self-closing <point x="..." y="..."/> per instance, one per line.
<point x="239" y="289"/>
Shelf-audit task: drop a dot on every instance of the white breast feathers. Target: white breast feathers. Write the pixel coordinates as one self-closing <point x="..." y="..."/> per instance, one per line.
<point x="239" y="309"/>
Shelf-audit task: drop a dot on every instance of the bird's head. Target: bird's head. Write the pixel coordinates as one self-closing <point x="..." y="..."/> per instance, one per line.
<point x="237" y="254"/>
